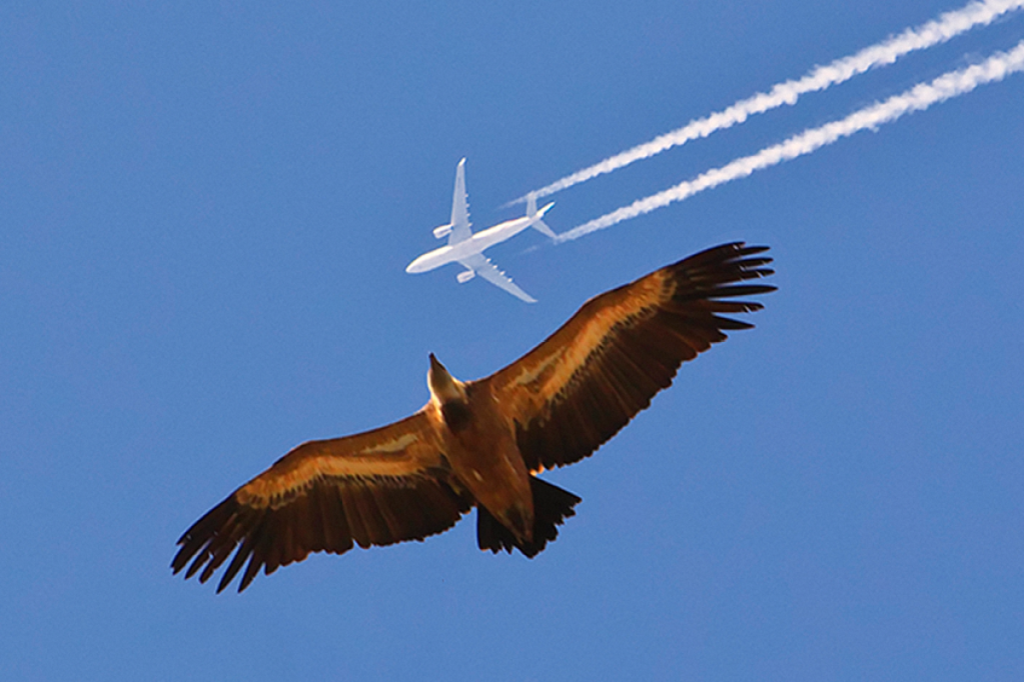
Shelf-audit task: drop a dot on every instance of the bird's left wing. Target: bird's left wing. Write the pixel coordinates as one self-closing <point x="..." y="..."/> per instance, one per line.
<point x="374" y="488"/>
<point x="587" y="380"/>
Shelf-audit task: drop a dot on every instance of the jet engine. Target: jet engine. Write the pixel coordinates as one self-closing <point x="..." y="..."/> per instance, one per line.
<point x="464" y="277"/>
<point x="442" y="231"/>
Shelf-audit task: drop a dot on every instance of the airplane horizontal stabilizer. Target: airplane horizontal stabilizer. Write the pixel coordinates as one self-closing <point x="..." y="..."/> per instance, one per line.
<point x="543" y="228"/>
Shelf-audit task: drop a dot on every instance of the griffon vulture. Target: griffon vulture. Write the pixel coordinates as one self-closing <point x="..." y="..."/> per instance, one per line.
<point x="481" y="443"/>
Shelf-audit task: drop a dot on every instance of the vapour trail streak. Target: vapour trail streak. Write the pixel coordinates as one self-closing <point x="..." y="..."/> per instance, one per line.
<point x="946" y="27"/>
<point x="920" y="97"/>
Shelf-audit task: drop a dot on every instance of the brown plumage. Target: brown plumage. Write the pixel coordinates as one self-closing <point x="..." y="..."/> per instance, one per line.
<point x="480" y="443"/>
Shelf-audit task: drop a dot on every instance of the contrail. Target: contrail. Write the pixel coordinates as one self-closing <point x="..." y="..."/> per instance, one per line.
<point x="947" y="26"/>
<point x="920" y="97"/>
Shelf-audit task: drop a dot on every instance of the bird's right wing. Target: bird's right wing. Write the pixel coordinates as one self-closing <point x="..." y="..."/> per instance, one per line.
<point x="587" y="380"/>
<point x="373" y="488"/>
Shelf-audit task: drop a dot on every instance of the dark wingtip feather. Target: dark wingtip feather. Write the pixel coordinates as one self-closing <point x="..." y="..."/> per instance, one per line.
<point x="197" y="541"/>
<point x="715" y="273"/>
<point x="743" y="290"/>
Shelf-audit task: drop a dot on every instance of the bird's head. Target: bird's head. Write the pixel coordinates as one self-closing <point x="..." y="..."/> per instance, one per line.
<point x="444" y="388"/>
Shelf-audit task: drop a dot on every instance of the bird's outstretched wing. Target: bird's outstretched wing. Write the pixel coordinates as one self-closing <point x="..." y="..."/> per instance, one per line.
<point x="374" y="488"/>
<point x="587" y="380"/>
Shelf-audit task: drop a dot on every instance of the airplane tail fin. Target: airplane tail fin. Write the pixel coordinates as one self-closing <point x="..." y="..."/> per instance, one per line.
<point x="538" y="223"/>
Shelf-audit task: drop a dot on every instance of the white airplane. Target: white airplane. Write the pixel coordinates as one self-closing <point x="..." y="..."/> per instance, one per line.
<point x="467" y="248"/>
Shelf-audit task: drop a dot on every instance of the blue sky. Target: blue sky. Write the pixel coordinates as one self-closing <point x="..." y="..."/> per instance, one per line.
<point x="207" y="209"/>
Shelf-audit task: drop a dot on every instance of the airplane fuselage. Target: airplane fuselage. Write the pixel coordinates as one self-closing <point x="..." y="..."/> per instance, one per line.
<point x="475" y="244"/>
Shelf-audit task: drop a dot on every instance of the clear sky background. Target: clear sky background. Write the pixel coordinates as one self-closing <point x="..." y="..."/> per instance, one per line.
<point x="206" y="210"/>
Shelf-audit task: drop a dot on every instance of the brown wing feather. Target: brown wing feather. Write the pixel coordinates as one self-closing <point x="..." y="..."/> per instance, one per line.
<point x="587" y="380"/>
<point x="374" y="488"/>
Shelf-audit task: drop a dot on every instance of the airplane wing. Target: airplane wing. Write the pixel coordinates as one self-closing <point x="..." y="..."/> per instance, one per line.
<point x="460" y="208"/>
<point x="482" y="266"/>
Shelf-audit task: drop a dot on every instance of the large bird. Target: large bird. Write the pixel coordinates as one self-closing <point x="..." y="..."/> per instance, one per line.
<point x="481" y="443"/>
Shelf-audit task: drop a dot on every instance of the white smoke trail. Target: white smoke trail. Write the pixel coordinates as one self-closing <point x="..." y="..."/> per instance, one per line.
<point x="946" y="27"/>
<point x="921" y="96"/>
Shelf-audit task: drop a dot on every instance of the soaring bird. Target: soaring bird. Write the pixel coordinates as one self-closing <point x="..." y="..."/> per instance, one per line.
<point x="482" y="443"/>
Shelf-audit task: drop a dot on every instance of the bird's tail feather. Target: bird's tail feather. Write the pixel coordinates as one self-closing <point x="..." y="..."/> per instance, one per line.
<point x="551" y="506"/>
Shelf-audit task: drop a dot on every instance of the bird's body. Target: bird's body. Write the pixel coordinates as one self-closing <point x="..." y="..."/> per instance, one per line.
<point x="481" y="443"/>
